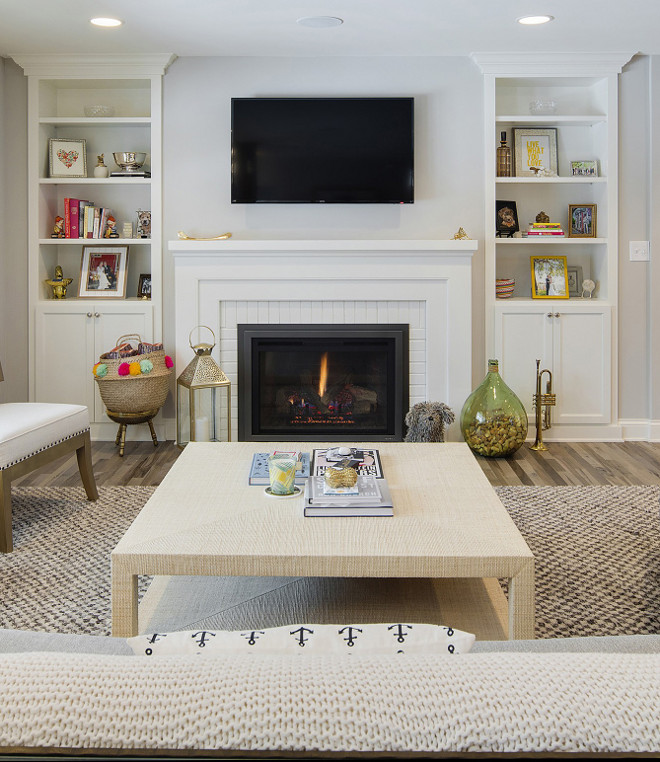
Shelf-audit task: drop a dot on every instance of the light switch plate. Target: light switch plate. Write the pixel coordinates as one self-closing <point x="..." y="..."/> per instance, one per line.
<point x="639" y="251"/>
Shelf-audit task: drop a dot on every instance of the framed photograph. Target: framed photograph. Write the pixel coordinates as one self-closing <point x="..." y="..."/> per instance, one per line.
<point x="584" y="168"/>
<point x="103" y="272"/>
<point x="534" y="147"/>
<point x="144" y="286"/>
<point x="582" y="221"/>
<point x="549" y="278"/>
<point x="67" y="158"/>
<point x="574" y="280"/>
<point x="506" y="218"/>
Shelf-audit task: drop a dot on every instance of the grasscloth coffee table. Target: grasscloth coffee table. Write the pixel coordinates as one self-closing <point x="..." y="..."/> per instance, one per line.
<point x="448" y="525"/>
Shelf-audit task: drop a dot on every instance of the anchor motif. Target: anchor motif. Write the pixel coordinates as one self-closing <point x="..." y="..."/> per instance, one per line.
<point x="201" y="637"/>
<point x="300" y="632"/>
<point x="401" y="635"/>
<point x="350" y="640"/>
<point x="252" y="636"/>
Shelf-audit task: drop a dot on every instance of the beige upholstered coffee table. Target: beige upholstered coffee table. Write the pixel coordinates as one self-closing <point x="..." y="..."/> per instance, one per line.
<point x="448" y="525"/>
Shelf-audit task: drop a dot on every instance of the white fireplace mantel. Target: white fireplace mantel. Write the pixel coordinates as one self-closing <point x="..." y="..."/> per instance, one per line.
<point x="425" y="283"/>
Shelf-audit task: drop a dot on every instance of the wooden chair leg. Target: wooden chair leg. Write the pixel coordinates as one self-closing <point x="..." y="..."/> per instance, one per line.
<point x="6" y="543"/>
<point x="153" y="433"/>
<point x="84" y="455"/>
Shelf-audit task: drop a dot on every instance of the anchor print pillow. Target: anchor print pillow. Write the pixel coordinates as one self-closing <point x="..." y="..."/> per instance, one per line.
<point x="365" y="639"/>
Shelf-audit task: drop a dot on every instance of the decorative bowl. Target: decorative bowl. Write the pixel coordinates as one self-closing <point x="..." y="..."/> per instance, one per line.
<point x="543" y="106"/>
<point x="99" y="111"/>
<point x="129" y="160"/>
<point x="504" y="287"/>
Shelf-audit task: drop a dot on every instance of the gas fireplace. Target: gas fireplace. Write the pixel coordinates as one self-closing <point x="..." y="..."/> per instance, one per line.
<point x="322" y="382"/>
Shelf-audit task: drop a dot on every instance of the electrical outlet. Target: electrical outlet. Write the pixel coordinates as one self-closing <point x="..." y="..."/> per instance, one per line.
<point x="639" y="251"/>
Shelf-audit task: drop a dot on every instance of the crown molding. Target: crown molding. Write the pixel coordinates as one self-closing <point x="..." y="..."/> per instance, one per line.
<point x="45" y="65"/>
<point x="539" y="64"/>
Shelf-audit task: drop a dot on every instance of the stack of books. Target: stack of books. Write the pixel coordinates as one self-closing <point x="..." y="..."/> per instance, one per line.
<point x="369" y="497"/>
<point x="84" y="220"/>
<point x="545" y="228"/>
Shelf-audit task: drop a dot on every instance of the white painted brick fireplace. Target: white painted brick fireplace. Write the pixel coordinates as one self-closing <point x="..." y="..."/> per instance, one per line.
<point x="425" y="284"/>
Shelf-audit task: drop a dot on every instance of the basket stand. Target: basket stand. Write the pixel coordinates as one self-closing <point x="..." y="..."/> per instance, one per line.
<point x="128" y="419"/>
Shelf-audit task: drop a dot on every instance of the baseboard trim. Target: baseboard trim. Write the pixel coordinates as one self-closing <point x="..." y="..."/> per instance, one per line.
<point x="640" y="430"/>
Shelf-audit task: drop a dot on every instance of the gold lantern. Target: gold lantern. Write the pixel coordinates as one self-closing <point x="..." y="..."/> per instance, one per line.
<point x="199" y="415"/>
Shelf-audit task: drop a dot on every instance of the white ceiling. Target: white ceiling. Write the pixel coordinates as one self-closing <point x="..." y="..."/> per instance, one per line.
<point x="371" y="27"/>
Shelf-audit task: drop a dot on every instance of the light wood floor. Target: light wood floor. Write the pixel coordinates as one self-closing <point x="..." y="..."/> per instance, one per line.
<point x="607" y="463"/>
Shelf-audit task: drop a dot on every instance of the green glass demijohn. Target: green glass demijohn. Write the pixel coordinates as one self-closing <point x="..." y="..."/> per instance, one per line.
<point x="493" y="419"/>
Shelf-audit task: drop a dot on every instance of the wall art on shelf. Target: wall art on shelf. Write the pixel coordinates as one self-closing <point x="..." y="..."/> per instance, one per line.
<point x="67" y="158"/>
<point x="549" y="277"/>
<point x="144" y="286"/>
<point x="584" y="168"/>
<point x="582" y="221"/>
<point x="143" y="224"/>
<point x="574" y="280"/>
<point x="534" y="148"/>
<point x="103" y="272"/>
<point x="506" y="219"/>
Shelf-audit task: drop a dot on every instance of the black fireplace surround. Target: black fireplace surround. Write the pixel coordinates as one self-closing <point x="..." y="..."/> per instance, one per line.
<point x="322" y="382"/>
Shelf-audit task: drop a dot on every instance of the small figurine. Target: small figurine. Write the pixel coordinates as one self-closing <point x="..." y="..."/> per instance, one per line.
<point x="461" y="235"/>
<point x="58" y="228"/>
<point x="100" y="170"/>
<point x="59" y="283"/>
<point x="111" y="228"/>
<point x="542" y="217"/>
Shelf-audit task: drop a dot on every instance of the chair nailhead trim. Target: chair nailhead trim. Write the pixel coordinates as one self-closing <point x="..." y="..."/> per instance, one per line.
<point x="41" y="449"/>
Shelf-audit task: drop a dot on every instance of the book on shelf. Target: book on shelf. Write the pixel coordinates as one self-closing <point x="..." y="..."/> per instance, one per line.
<point x="546" y="225"/>
<point x="365" y="461"/>
<point x="545" y="232"/>
<point x="374" y="499"/>
<point x="259" y="469"/>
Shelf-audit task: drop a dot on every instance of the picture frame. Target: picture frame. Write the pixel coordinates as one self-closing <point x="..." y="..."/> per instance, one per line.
<point x="67" y="157"/>
<point x="534" y="147"/>
<point x="103" y="272"/>
<point x="506" y="219"/>
<point x="144" y="286"/>
<point x="584" y="168"/>
<point x="549" y="277"/>
<point x="582" y="221"/>
<point x="574" y="280"/>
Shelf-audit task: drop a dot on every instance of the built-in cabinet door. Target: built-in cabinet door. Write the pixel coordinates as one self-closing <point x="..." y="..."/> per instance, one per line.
<point x="574" y="344"/>
<point x="64" y="333"/>
<point x="70" y="336"/>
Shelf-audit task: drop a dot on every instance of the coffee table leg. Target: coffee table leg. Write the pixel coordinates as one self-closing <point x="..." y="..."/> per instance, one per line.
<point x="124" y="602"/>
<point x="521" y="604"/>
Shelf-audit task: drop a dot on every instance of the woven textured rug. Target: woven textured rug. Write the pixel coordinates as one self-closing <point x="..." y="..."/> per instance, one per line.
<point x="597" y="555"/>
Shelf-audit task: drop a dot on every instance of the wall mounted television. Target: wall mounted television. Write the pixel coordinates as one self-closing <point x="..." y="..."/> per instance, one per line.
<point x="322" y="150"/>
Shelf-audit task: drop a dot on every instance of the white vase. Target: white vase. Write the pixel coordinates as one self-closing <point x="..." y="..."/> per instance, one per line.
<point x="101" y="171"/>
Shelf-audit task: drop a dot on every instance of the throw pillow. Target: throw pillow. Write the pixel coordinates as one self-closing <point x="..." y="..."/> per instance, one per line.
<point x="366" y="639"/>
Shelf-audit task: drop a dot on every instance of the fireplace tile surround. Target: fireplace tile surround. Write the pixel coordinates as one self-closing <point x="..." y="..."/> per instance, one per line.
<point x="425" y="284"/>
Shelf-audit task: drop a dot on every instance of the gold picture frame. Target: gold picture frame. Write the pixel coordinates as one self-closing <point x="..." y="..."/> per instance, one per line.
<point x="582" y="221"/>
<point x="549" y="277"/>
<point x="67" y="157"/>
<point x="103" y="272"/>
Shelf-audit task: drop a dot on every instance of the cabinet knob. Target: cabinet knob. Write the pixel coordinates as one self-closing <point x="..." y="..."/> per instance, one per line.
<point x="98" y="314"/>
<point x="556" y="314"/>
<point x="89" y="314"/>
<point x="549" y="314"/>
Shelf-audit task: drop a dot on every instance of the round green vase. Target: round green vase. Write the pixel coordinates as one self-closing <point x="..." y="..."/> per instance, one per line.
<point x="493" y="419"/>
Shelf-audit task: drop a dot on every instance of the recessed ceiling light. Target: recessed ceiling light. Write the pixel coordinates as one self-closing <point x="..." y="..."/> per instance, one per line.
<point x="105" y="22"/>
<point x="320" y="22"/>
<point x="529" y="20"/>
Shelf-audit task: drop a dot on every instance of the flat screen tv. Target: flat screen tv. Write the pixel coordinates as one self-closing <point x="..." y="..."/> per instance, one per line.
<point x="322" y="151"/>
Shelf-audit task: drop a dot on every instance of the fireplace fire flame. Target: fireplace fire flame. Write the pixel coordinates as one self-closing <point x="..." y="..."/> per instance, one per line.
<point x="323" y="375"/>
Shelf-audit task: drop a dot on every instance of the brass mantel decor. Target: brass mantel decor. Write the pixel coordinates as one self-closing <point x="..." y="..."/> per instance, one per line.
<point x="183" y="237"/>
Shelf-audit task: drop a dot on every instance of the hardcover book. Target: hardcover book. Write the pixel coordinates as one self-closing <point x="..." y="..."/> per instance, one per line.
<point x="317" y="504"/>
<point x="365" y="461"/>
<point x="259" y="469"/>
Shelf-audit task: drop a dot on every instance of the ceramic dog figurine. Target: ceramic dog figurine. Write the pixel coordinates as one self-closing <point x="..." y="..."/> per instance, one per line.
<point x="426" y="422"/>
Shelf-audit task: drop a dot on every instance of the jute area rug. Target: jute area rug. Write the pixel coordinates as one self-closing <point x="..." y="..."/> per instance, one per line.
<point x="597" y="555"/>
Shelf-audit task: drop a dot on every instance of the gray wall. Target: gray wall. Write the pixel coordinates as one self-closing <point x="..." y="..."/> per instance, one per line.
<point x="13" y="232"/>
<point x="449" y="184"/>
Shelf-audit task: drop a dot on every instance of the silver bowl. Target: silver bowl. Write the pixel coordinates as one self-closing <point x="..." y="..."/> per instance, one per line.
<point x="130" y="161"/>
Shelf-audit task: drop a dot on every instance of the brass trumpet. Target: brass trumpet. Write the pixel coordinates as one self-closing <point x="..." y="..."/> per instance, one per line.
<point x="542" y="404"/>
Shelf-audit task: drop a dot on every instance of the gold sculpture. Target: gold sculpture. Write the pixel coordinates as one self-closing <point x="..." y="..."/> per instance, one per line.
<point x="461" y="235"/>
<point x="542" y="401"/>
<point x="59" y="283"/>
<point x="542" y="217"/>
<point x="185" y="237"/>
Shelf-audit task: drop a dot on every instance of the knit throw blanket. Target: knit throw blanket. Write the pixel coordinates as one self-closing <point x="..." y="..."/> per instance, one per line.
<point x="470" y="703"/>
